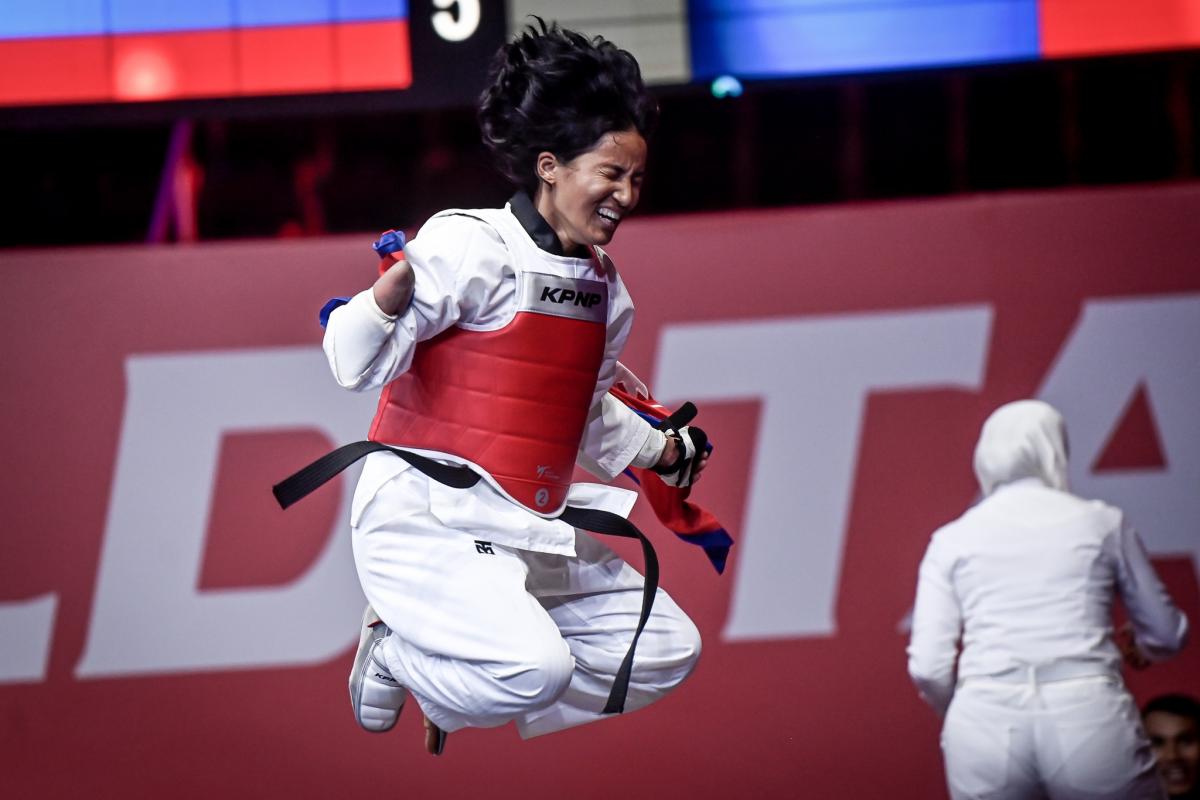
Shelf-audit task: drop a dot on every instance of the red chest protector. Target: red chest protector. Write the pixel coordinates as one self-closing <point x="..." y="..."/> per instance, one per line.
<point x="511" y="401"/>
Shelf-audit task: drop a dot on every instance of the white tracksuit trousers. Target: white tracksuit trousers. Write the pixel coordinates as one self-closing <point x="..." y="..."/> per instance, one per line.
<point x="1077" y="739"/>
<point x="485" y="635"/>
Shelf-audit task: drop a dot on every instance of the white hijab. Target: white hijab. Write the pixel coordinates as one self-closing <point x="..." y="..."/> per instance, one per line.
<point x="1025" y="439"/>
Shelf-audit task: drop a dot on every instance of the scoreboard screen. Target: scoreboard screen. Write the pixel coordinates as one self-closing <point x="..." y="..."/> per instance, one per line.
<point x="776" y="38"/>
<point x="102" y="51"/>
<point x="434" y="52"/>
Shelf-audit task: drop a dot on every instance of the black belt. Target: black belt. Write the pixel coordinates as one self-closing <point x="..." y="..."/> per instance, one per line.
<point x="307" y="480"/>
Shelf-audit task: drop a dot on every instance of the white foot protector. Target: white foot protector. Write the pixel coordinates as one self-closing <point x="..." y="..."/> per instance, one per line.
<point x="376" y="697"/>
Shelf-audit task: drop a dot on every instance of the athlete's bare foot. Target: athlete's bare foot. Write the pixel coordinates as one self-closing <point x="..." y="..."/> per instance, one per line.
<point x="435" y="738"/>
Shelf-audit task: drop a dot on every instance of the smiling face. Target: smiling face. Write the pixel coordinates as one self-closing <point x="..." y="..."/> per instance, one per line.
<point x="585" y="199"/>
<point x="1176" y="742"/>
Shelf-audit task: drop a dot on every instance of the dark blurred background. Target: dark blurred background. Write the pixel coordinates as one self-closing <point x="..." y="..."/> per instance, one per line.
<point x="314" y="164"/>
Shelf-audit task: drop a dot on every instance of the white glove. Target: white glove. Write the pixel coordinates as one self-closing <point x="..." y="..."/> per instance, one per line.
<point x="690" y="444"/>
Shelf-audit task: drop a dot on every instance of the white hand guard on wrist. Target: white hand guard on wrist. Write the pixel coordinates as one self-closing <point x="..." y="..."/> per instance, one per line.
<point x="689" y="444"/>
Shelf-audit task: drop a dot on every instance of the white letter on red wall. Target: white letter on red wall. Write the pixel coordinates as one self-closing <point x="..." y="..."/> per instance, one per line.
<point x="148" y="615"/>
<point x="1117" y="346"/>
<point x="812" y="377"/>
<point x="26" y="628"/>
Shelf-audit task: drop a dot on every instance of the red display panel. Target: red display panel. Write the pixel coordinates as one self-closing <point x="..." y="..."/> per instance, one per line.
<point x="205" y="64"/>
<point x="76" y="70"/>
<point x="1094" y="27"/>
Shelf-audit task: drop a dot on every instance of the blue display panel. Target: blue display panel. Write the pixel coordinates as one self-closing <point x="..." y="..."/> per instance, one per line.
<point x="146" y="16"/>
<point x="31" y="19"/>
<point x="767" y="38"/>
<point x="34" y="18"/>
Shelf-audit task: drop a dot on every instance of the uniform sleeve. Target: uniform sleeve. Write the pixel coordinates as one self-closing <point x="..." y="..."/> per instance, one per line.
<point x="1160" y="628"/>
<point x="459" y="266"/>
<point x="613" y="434"/>
<point x="936" y="627"/>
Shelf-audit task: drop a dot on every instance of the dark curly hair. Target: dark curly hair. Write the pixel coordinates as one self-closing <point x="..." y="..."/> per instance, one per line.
<point x="554" y="90"/>
<point x="1181" y="705"/>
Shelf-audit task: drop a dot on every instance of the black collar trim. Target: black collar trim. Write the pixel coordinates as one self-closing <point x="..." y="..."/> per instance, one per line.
<point x="535" y="224"/>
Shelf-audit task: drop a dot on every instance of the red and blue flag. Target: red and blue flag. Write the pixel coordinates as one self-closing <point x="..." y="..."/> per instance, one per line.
<point x="687" y="520"/>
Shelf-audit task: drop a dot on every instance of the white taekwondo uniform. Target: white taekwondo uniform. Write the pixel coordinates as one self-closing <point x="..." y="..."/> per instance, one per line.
<point x="499" y="613"/>
<point x="1026" y="579"/>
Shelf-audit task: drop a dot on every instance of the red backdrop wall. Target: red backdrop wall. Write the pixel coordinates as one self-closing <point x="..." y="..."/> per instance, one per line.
<point x="108" y="688"/>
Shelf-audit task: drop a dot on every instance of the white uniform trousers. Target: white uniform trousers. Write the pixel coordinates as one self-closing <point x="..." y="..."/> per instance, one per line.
<point x="485" y="634"/>
<point x="1074" y="739"/>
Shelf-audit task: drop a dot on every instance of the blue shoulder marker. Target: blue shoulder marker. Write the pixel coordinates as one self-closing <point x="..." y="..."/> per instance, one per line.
<point x="389" y="242"/>
<point x="327" y="309"/>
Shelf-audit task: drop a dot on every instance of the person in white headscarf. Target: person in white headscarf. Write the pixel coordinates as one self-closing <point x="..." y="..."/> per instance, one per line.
<point x="1023" y="585"/>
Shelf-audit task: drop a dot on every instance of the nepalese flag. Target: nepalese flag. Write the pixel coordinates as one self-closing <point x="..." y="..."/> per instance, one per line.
<point x="688" y="521"/>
